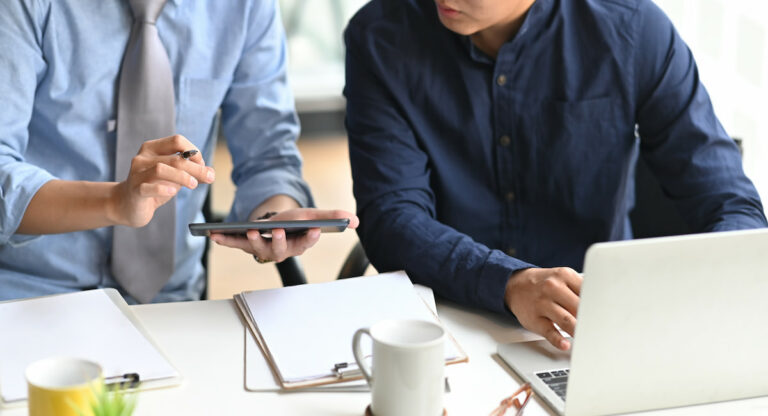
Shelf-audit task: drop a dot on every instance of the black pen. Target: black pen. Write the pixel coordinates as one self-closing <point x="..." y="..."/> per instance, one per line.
<point x="187" y="154"/>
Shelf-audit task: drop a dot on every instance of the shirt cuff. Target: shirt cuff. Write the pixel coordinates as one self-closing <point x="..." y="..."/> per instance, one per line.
<point x="19" y="182"/>
<point x="259" y="188"/>
<point x="495" y="273"/>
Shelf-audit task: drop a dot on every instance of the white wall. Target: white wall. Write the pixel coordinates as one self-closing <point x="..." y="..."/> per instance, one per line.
<point x="316" y="50"/>
<point x="729" y="39"/>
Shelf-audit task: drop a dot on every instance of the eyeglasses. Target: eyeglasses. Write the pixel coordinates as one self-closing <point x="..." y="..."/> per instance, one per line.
<point x="518" y="400"/>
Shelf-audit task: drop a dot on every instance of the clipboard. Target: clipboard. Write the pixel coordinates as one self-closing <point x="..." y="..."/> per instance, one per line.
<point x="97" y="325"/>
<point x="316" y="351"/>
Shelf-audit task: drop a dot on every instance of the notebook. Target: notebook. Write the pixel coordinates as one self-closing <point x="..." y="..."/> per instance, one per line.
<point x="662" y="322"/>
<point x="305" y="332"/>
<point x="96" y="325"/>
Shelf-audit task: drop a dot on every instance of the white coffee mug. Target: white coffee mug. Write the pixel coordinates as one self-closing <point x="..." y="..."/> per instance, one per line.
<point x="407" y="378"/>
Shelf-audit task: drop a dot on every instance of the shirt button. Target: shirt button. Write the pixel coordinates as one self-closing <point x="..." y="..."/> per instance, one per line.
<point x="511" y="252"/>
<point x="501" y="80"/>
<point x="510" y="196"/>
<point x="504" y="141"/>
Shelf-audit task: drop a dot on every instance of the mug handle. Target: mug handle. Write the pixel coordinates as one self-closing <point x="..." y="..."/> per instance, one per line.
<point x="358" y="352"/>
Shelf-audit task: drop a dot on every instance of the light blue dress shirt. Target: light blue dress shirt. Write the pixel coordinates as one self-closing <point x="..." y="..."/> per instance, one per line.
<point x="59" y="66"/>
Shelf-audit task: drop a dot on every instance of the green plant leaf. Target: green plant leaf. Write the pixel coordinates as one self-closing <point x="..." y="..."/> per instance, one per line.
<point x="111" y="400"/>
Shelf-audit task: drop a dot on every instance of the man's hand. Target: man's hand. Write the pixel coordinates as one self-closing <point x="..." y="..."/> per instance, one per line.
<point x="541" y="298"/>
<point x="157" y="174"/>
<point x="279" y="248"/>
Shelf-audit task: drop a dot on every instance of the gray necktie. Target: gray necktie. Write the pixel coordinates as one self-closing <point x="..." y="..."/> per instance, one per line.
<point x="143" y="258"/>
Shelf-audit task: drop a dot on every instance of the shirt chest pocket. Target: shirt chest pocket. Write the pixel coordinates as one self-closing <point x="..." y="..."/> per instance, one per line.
<point x="578" y="155"/>
<point x="200" y="99"/>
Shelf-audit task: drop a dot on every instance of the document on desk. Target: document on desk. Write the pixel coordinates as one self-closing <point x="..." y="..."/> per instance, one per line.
<point x="96" y="325"/>
<point x="305" y="330"/>
<point x="259" y="376"/>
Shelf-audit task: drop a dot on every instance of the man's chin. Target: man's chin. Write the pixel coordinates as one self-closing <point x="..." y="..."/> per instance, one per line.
<point x="461" y="28"/>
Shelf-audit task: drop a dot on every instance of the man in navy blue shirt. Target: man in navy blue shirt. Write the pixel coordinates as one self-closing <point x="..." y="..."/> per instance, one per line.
<point x="493" y="141"/>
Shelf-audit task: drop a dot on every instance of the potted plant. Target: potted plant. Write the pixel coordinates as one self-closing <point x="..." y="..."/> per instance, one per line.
<point x="111" y="400"/>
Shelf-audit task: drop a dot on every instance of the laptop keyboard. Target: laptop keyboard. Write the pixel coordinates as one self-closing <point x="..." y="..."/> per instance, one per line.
<point x="556" y="380"/>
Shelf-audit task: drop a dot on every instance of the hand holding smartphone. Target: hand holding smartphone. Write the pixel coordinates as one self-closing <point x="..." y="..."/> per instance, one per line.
<point x="291" y="227"/>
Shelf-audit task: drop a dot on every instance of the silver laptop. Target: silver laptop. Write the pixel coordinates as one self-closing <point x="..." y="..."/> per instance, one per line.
<point x="663" y="322"/>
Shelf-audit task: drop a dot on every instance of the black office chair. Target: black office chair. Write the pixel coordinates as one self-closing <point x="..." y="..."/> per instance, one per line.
<point x="655" y="215"/>
<point x="355" y="264"/>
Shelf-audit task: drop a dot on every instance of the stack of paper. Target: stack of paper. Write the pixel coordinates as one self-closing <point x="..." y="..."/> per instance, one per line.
<point x="304" y="331"/>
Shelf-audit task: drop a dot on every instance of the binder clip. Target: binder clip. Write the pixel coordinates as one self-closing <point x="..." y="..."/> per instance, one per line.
<point x="343" y="370"/>
<point x="125" y="381"/>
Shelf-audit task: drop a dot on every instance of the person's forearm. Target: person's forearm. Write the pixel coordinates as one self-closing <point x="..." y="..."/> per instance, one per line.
<point x="67" y="206"/>
<point x="403" y="236"/>
<point x="276" y="203"/>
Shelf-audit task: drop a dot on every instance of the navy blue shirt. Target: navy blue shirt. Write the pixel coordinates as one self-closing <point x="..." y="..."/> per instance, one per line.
<point x="468" y="168"/>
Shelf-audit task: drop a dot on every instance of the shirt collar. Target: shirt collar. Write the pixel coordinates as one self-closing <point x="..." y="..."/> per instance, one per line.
<point x="534" y="19"/>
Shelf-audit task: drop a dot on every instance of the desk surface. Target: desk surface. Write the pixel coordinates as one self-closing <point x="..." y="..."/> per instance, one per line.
<point x="205" y="342"/>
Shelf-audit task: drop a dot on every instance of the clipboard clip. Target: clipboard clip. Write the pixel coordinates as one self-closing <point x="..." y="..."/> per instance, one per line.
<point x="127" y="380"/>
<point x="345" y="370"/>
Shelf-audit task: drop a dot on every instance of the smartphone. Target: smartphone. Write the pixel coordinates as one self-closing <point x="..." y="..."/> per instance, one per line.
<point x="265" y="227"/>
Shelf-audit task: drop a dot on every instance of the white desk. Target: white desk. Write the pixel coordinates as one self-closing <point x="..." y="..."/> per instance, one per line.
<point x="205" y="342"/>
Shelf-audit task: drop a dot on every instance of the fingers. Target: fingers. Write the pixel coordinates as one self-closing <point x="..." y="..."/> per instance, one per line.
<point x="199" y="171"/>
<point x="560" y="298"/>
<point x="560" y="290"/>
<point x="232" y="241"/>
<point x="277" y="248"/>
<point x="317" y="214"/>
<point x="541" y="298"/>
<point x="165" y="173"/>
<point x="545" y="328"/>
<point x="556" y="338"/>
<point x="169" y="146"/>
<point x="354" y="222"/>
<point x="157" y="173"/>
<point x="564" y="319"/>
<point x="280" y="247"/>
<point x="173" y="169"/>
<point x="167" y="151"/>
<point x="572" y="279"/>
<point x="306" y="241"/>
<point x="339" y="213"/>
<point x="158" y="190"/>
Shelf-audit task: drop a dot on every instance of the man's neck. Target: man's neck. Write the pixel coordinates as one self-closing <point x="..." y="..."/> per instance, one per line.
<point x="491" y="39"/>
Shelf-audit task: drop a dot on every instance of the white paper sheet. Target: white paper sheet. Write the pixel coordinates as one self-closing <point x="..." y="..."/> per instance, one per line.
<point x="83" y="324"/>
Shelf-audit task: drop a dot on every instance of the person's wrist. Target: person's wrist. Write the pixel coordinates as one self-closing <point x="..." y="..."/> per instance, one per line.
<point x="114" y="202"/>
<point x="510" y="289"/>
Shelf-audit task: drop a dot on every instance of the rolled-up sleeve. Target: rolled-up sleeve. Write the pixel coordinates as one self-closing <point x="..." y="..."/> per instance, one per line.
<point x="396" y="204"/>
<point x="21" y="67"/>
<point x="697" y="163"/>
<point x="259" y="119"/>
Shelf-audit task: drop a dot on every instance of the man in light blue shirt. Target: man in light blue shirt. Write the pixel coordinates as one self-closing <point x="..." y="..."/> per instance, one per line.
<point x="59" y="65"/>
